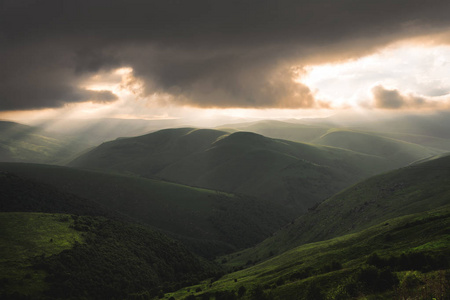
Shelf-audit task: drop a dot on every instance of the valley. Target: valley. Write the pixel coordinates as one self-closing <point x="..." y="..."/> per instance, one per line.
<point x="265" y="210"/>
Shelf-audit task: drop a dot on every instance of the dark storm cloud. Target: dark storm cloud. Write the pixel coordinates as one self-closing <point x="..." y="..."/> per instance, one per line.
<point x="203" y="53"/>
<point x="44" y="75"/>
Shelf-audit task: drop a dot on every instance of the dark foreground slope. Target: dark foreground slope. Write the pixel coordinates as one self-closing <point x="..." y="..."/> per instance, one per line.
<point x="211" y="223"/>
<point x="287" y="173"/>
<point x="414" y="189"/>
<point x="59" y="256"/>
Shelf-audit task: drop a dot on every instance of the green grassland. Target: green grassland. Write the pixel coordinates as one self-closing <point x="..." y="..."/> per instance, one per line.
<point x="307" y="131"/>
<point x="290" y="174"/>
<point x="409" y="190"/>
<point x="24" y="236"/>
<point x="346" y="267"/>
<point x="400" y="153"/>
<point x="210" y="222"/>
<point x="399" y="147"/>
<point x="62" y="256"/>
<point x="427" y="141"/>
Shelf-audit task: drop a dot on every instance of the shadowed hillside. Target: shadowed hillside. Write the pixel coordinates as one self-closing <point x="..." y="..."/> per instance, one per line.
<point x="292" y="174"/>
<point x="211" y="223"/>
<point x="59" y="256"/>
<point x="409" y="190"/>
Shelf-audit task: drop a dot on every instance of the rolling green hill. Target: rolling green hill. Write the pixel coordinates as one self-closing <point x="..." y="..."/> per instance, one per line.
<point x="22" y="143"/>
<point x="423" y="140"/>
<point x="402" y="258"/>
<point x="409" y="190"/>
<point x="388" y="144"/>
<point x="290" y="174"/>
<point x="400" y="153"/>
<point x="211" y="223"/>
<point x="60" y="256"/>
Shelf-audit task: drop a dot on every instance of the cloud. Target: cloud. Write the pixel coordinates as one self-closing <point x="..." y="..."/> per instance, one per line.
<point x="390" y="99"/>
<point x="394" y="99"/>
<point x="202" y="53"/>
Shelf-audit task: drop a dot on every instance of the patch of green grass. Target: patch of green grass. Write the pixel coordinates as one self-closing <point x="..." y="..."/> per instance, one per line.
<point x="218" y="222"/>
<point x="409" y="190"/>
<point x="24" y="236"/>
<point x="297" y="272"/>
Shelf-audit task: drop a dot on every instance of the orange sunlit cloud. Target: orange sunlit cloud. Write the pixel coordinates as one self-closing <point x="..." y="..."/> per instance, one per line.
<point x="412" y="73"/>
<point x="411" y="69"/>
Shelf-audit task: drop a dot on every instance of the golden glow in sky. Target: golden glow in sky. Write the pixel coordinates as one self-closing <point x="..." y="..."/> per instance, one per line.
<point x="414" y="70"/>
<point x="411" y="69"/>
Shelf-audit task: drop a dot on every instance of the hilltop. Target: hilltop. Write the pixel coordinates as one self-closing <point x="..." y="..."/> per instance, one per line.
<point x="290" y="174"/>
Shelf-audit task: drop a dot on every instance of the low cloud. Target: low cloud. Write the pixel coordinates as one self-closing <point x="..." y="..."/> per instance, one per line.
<point x="389" y="99"/>
<point x="393" y="99"/>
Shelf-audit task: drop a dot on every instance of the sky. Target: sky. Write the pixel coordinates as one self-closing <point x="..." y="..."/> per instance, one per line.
<point x="203" y="59"/>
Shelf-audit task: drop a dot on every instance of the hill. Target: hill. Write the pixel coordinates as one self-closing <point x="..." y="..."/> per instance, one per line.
<point x="55" y="256"/>
<point x="290" y="174"/>
<point x="24" y="195"/>
<point x="209" y="222"/>
<point x="403" y="258"/>
<point x="400" y="153"/>
<point x="332" y="133"/>
<point x="409" y="190"/>
<point x="297" y="132"/>
<point x="22" y="143"/>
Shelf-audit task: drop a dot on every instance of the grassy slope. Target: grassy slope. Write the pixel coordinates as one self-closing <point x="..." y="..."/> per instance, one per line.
<point x="63" y="255"/>
<point x="427" y="141"/>
<point x="292" y="174"/>
<point x="148" y="154"/>
<point x="405" y="191"/>
<point x="400" y="153"/>
<point x="27" y="235"/>
<point x="281" y="276"/>
<point x="213" y="218"/>
<point x="22" y="143"/>
<point x="383" y="143"/>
